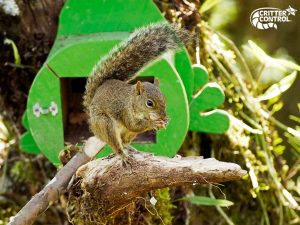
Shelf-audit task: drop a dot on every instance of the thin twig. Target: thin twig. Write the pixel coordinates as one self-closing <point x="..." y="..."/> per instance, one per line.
<point x="57" y="186"/>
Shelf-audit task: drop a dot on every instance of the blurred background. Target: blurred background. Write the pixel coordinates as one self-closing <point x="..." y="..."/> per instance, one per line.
<point x="269" y="194"/>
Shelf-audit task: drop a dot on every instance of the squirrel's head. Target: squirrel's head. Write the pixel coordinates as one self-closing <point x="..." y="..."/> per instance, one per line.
<point x="149" y="102"/>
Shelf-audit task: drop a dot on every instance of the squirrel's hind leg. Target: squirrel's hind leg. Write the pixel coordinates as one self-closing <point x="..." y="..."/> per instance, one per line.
<point x="103" y="127"/>
<point x="127" y="137"/>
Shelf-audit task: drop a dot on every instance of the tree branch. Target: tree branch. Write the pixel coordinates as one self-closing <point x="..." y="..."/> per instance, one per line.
<point x="57" y="186"/>
<point x="107" y="185"/>
<point x="104" y="187"/>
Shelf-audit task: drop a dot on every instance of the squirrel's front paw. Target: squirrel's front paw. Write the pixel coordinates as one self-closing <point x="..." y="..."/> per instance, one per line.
<point x="160" y="124"/>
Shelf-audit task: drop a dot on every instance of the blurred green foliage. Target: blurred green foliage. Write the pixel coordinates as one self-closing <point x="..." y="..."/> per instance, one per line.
<point x="253" y="83"/>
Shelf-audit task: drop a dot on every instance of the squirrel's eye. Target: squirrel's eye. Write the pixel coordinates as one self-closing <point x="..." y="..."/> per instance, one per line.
<point x="149" y="103"/>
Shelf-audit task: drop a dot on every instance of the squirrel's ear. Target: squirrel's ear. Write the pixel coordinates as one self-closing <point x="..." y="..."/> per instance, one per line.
<point x="139" y="88"/>
<point x="156" y="82"/>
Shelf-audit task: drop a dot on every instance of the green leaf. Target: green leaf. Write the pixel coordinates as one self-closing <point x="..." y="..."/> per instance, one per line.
<point x="208" y="4"/>
<point x="15" y="50"/>
<point x="279" y="149"/>
<point x="263" y="57"/>
<point x="277" y="107"/>
<point x="287" y="64"/>
<point x="201" y="200"/>
<point x="295" y="118"/>
<point x="256" y="50"/>
<point x="278" y="88"/>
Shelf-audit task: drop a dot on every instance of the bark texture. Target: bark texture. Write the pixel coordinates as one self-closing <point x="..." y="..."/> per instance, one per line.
<point x="104" y="187"/>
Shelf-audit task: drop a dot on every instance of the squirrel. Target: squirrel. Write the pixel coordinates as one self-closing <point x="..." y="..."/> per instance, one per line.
<point x="119" y="111"/>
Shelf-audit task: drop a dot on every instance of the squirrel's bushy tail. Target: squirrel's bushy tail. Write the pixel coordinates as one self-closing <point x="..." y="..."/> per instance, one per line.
<point x="124" y="61"/>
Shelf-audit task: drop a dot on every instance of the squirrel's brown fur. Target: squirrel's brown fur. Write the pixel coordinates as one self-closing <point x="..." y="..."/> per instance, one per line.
<point x="119" y="111"/>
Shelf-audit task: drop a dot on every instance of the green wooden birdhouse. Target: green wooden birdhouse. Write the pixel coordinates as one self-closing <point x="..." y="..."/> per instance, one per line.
<point x="87" y="31"/>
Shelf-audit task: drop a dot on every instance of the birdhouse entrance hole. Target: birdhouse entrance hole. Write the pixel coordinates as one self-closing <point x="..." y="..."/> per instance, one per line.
<point x="75" y="120"/>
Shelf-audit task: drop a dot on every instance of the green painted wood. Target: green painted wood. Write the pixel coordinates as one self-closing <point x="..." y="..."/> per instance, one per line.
<point x="81" y="18"/>
<point x="28" y="145"/>
<point x="65" y="41"/>
<point x="46" y="130"/>
<point x="78" y="59"/>
<point x="215" y="121"/>
<point x="209" y="97"/>
<point x="25" y="121"/>
<point x="183" y="66"/>
<point x="200" y="76"/>
<point x="94" y="16"/>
